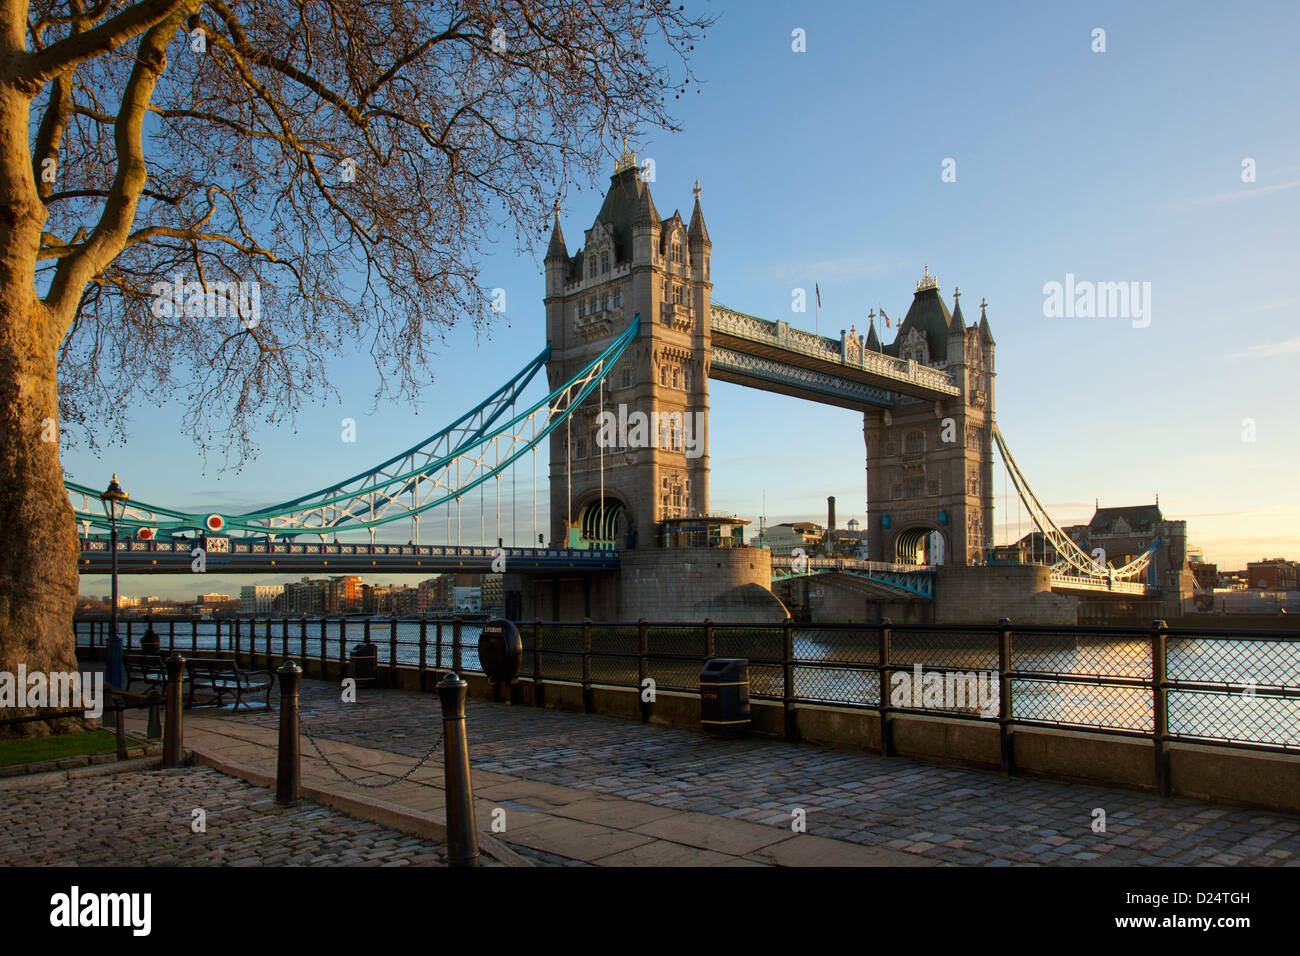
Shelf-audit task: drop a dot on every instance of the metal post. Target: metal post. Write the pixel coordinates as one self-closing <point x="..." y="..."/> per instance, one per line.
<point x="1160" y="705"/>
<point x="882" y="668"/>
<point x="154" y="730"/>
<point x="284" y="639"/>
<point x="302" y="635"/>
<point x="392" y="653"/>
<point x="324" y="653"/>
<point x="238" y="629"/>
<point x="343" y="646"/>
<point x="1005" y="730"/>
<point x="119" y="727"/>
<point x="116" y="666"/>
<point x="586" y="665"/>
<point x="787" y="680"/>
<point x="642" y="667"/>
<point x="173" y="734"/>
<point x="710" y="646"/>
<point x="216" y="627"/>
<point x="455" y="645"/>
<point x="424" y="650"/>
<point x="437" y="647"/>
<point x="462" y="834"/>
<point x="539" y="688"/>
<point x="288" y="766"/>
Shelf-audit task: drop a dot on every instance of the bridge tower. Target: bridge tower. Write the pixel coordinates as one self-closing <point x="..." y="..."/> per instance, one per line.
<point x="656" y="461"/>
<point x="930" y="464"/>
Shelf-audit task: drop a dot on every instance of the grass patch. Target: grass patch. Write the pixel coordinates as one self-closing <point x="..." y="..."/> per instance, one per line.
<point x="38" y="749"/>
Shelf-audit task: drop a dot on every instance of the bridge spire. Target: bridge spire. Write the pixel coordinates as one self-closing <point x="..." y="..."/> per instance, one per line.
<point x="697" y="232"/>
<point x="557" y="248"/>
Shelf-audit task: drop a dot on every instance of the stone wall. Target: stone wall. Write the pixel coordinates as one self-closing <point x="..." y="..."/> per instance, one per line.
<point x="983" y="595"/>
<point x="691" y="584"/>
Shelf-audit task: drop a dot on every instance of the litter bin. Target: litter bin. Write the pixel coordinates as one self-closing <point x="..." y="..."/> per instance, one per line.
<point x="500" y="650"/>
<point x="151" y="645"/>
<point x="365" y="663"/>
<point x="724" y="696"/>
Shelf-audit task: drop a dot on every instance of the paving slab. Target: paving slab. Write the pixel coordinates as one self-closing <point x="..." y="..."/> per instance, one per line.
<point x="722" y="834"/>
<point x="803" y="849"/>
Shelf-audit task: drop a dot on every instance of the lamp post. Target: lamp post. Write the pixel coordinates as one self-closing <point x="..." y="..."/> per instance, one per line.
<point x="114" y="499"/>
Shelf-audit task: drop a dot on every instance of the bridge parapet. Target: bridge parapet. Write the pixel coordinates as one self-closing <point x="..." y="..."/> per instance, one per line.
<point x="780" y="335"/>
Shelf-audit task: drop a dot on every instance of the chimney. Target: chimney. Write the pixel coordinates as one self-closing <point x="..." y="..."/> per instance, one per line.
<point x="830" y="514"/>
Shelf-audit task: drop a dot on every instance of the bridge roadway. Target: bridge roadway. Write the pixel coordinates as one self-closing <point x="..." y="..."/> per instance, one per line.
<point x="233" y="555"/>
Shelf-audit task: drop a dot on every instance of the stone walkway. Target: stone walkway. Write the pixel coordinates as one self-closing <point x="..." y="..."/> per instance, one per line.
<point x="144" y="818"/>
<point x="662" y="795"/>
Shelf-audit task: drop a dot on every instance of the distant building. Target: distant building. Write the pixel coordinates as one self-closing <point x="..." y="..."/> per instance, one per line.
<point x="1206" y="575"/>
<point x="259" y="598"/>
<point x="343" y="595"/>
<point x="785" y="537"/>
<point x="1271" y="574"/>
<point x="212" y="599"/>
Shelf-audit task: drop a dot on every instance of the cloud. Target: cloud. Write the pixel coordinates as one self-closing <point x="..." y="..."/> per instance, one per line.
<point x="1246" y="191"/>
<point x="1269" y="349"/>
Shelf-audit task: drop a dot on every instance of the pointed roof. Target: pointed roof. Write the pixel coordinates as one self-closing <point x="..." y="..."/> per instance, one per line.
<point x="928" y="315"/>
<point x="873" y="340"/>
<point x="697" y="230"/>
<point x="557" y="249"/>
<point x="957" y="319"/>
<point x="1137" y="517"/>
<point x="985" y="331"/>
<point x="627" y="204"/>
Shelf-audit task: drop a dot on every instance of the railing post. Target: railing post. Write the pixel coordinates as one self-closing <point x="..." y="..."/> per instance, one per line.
<point x="642" y="668"/>
<point x="237" y="628"/>
<point x="302" y="639"/>
<point x="539" y="688"/>
<point x="173" y="735"/>
<point x="437" y="646"/>
<point x="1005" y="732"/>
<point x="366" y="632"/>
<point x="455" y="645"/>
<point x="586" y="665"/>
<point x="787" y="680"/>
<point x="882" y="668"/>
<point x="710" y="645"/>
<point x="343" y="648"/>
<point x="392" y="652"/>
<point x="1160" y="705"/>
<point x="324" y="653"/>
<point x="462" y="834"/>
<point x="424" y="650"/>
<point x="288" y="765"/>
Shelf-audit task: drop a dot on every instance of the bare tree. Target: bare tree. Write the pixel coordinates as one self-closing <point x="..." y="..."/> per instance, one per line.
<point x="210" y="198"/>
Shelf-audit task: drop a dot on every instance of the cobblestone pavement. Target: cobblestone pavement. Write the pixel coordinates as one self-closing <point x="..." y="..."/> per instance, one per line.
<point x="143" y="818"/>
<point x="947" y="814"/>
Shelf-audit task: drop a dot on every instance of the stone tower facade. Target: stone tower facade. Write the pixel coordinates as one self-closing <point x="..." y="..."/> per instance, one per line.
<point x="930" y="464"/>
<point x="655" y="461"/>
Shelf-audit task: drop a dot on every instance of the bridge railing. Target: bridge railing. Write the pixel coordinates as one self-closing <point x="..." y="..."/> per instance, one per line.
<point x="1227" y="687"/>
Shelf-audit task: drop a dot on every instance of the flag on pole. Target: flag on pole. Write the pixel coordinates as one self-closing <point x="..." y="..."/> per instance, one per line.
<point x="885" y="317"/>
<point x="818" y="290"/>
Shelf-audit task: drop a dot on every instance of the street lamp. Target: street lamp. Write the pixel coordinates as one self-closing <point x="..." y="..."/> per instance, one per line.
<point x="114" y="500"/>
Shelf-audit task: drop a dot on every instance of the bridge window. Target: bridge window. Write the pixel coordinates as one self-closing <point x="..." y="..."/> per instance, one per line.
<point x="592" y="305"/>
<point x="582" y="308"/>
<point x="973" y="482"/>
<point x="618" y="298"/>
<point x="580" y="448"/>
<point x="677" y="378"/>
<point x="915" y="442"/>
<point x="915" y="487"/>
<point x="932" y="487"/>
<point x="591" y="269"/>
<point x="604" y="301"/>
<point x="627" y="377"/>
<point x="677" y="252"/>
<point x="677" y="293"/>
<point x="604" y="263"/>
<point x="891" y="448"/>
<point x="896" y="492"/>
<point x="663" y="375"/>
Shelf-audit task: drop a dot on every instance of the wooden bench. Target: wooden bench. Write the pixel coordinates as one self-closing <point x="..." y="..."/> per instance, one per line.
<point x="220" y="677"/>
<point x="148" y="669"/>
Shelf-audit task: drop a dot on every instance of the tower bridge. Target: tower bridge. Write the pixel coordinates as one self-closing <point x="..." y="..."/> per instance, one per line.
<point x="631" y="327"/>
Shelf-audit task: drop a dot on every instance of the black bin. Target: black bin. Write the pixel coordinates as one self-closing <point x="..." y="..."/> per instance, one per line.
<point x="365" y="663"/>
<point x="724" y="696"/>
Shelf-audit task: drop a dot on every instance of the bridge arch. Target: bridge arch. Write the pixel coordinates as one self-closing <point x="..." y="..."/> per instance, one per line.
<point x="922" y="544"/>
<point x="610" y="527"/>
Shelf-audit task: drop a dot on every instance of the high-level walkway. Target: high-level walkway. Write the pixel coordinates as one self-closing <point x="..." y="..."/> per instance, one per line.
<point x="600" y="790"/>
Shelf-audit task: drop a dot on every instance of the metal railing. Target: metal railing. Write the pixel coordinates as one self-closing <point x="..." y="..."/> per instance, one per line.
<point x="1226" y="687"/>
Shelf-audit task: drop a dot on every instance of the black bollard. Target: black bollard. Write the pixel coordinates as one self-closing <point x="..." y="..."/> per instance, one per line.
<point x="288" y="768"/>
<point x="172" y="733"/>
<point x="462" y="835"/>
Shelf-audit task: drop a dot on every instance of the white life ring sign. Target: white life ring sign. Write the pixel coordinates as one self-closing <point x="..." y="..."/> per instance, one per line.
<point x="214" y="522"/>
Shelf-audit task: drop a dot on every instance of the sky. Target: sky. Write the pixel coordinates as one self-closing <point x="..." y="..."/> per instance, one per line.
<point x="827" y="168"/>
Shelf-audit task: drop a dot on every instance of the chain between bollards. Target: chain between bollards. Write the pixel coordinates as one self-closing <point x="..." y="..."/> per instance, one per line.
<point x="462" y="834"/>
<point x="288" y="767"/>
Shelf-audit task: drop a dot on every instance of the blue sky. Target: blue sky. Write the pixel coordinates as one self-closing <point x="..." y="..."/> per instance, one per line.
<point x="824" y="167"/>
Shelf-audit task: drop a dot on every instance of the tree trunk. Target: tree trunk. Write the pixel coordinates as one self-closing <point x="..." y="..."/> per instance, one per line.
<point x="38" y="539"/>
